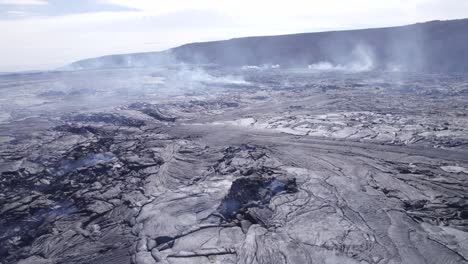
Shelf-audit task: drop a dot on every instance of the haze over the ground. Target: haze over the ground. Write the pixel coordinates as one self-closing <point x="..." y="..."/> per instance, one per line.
<point x="45" y="34"/>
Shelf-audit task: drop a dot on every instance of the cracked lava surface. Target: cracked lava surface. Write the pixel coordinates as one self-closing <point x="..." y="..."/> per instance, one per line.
<point x="133" y="166"/>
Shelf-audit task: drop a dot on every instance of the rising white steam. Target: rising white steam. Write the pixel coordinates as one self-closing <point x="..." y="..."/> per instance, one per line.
<point x="362" y="59"/>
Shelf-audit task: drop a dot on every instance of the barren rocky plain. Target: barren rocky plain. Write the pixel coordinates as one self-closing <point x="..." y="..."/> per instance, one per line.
<point x="237" y="165"/>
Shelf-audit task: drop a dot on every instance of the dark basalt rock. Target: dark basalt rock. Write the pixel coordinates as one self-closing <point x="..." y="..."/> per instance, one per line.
<point x="52" y="94"/>
<point x="246" y="194"/>
<point x="151" y="110"/>
<point x="76" y="129"/>
<point x="107" y="118"/>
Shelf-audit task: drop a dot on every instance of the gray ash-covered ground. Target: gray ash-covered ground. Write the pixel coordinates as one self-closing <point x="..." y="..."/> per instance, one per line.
<point x="233" y="166"/>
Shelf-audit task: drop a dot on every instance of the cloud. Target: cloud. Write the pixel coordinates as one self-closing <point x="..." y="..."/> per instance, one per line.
<point x="17" y="13"/>
<point x="51" y="42"/>
<point x="64" y="32"/>
<point x="23" y="2"/>
<point x="57" y="7"/>
<point x="319" y="13"/>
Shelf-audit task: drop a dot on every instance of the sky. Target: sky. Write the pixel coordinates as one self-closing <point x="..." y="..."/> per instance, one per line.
<point x="47" y="34"/>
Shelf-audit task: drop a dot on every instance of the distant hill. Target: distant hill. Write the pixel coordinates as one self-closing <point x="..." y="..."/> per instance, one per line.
<point x="436" y="46"/>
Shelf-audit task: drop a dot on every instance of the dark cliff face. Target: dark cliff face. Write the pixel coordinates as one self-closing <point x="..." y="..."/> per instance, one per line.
<point x="432" y="46"/>
<point x="437" y="46"/>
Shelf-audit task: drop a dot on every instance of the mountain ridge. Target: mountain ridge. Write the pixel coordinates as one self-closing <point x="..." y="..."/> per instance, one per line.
<point x="437" y="46"/>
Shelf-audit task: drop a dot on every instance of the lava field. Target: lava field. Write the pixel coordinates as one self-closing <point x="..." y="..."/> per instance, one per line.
<point x="234" y="165"/>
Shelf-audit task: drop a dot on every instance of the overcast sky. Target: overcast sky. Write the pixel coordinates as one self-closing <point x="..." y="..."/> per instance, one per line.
<point x="45" y="34"/>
